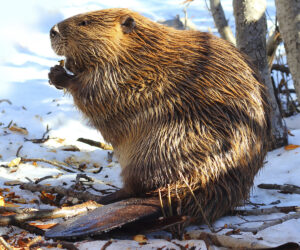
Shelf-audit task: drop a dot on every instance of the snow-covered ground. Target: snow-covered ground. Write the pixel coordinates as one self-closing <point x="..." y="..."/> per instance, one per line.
<point x="33" y="104"/>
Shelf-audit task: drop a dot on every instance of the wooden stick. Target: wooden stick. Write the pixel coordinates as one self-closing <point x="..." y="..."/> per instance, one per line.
<point x="263" y="211"/>
<point x="6" y="100"/>
<point x="95" y="143"/>
<point x="23" y="216"/>
<point x="267" y="224"/>
<point x="54" y="163"/>
<point x="286" y="188"/>
<point x="224" y="241"/>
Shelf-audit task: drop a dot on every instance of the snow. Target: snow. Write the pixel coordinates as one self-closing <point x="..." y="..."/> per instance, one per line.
<point x="25" y="58"/>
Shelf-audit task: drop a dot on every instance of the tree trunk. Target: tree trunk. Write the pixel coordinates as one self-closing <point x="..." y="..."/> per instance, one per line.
<point x="251" y="30"/>
<point x="221" y="22"/>
<point x="288" y="14"/>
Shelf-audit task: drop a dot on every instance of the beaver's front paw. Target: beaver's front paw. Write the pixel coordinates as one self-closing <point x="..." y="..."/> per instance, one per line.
<point x="59" y="77"/>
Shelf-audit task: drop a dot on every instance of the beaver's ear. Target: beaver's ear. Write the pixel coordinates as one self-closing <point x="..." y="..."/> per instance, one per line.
<point x="128" y="24"/>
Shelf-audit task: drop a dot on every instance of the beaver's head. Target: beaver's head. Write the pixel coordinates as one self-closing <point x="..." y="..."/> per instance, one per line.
<point x="87" y="40"/>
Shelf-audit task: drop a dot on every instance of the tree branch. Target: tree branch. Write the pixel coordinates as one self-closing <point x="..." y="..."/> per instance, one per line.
<point x="24" y="215"/>
<point x="221" y="22"/>
<point x="267" y="224"/>
<point x="286" y="188"/>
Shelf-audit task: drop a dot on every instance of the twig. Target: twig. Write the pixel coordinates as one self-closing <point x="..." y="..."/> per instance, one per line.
<point x="43" y="139"/>
<point x="47" y="161"/>
<point x="95" y="143"/>
<point x="10" y="123"/>
<point x="98" y="171"/>
<point x="107" y="244"/>
<point x="264" y="211"/>
<point x="286" y="188"/>
<point x="280" y="67"/>
<point x="48" y="177"/>
<point x="47" y="213"/>
<point x="18" y="151"/>
<point x="6" y="100"/>
<point x="5" y="244"/>
<point x="85" y="196"/>
<point x="272" y="44"/>
<point x="267" y="224"/>
<point x="223" y="240"/>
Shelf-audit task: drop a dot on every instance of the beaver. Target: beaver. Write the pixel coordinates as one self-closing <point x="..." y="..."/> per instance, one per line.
<point x="185" y="111"/>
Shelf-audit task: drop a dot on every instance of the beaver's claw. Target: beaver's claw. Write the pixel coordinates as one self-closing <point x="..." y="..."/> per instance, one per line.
<point x="59" y="77"/>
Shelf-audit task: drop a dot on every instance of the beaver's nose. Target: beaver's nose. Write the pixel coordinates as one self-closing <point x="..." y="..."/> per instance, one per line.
<point x="54" y="31"/>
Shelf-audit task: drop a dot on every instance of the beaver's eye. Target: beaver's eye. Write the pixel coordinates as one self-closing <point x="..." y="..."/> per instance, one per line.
<point x="84" y="23"/>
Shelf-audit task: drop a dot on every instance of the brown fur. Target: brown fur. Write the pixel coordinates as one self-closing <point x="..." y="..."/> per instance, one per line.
<point x="177" y="106"/>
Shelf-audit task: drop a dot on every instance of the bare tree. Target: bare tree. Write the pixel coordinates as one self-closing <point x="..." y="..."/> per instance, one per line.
<point x="251" y="30"/>
<point x="288" y="14"/>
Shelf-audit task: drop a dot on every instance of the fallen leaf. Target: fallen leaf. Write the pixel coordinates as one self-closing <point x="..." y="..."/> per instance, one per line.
<point x="140" y="238"/>
<point x="33" y="201"/>
<point x="4" y="190"/>
<point x="12" y="195"/>
<point x="8" y="213"/>
<point x="17" y="129"/>
<point x="49" y="196"/>
<point x="60" y="140"/>
<point x="43" y="226"/>
<point x="39" y="117"/>
<point x="10" y="204"/>
<point x="14" y="162"/>
<point x="187" y="1"/>
<point x="2" y="201"/>
<point x="291" y="147"/>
